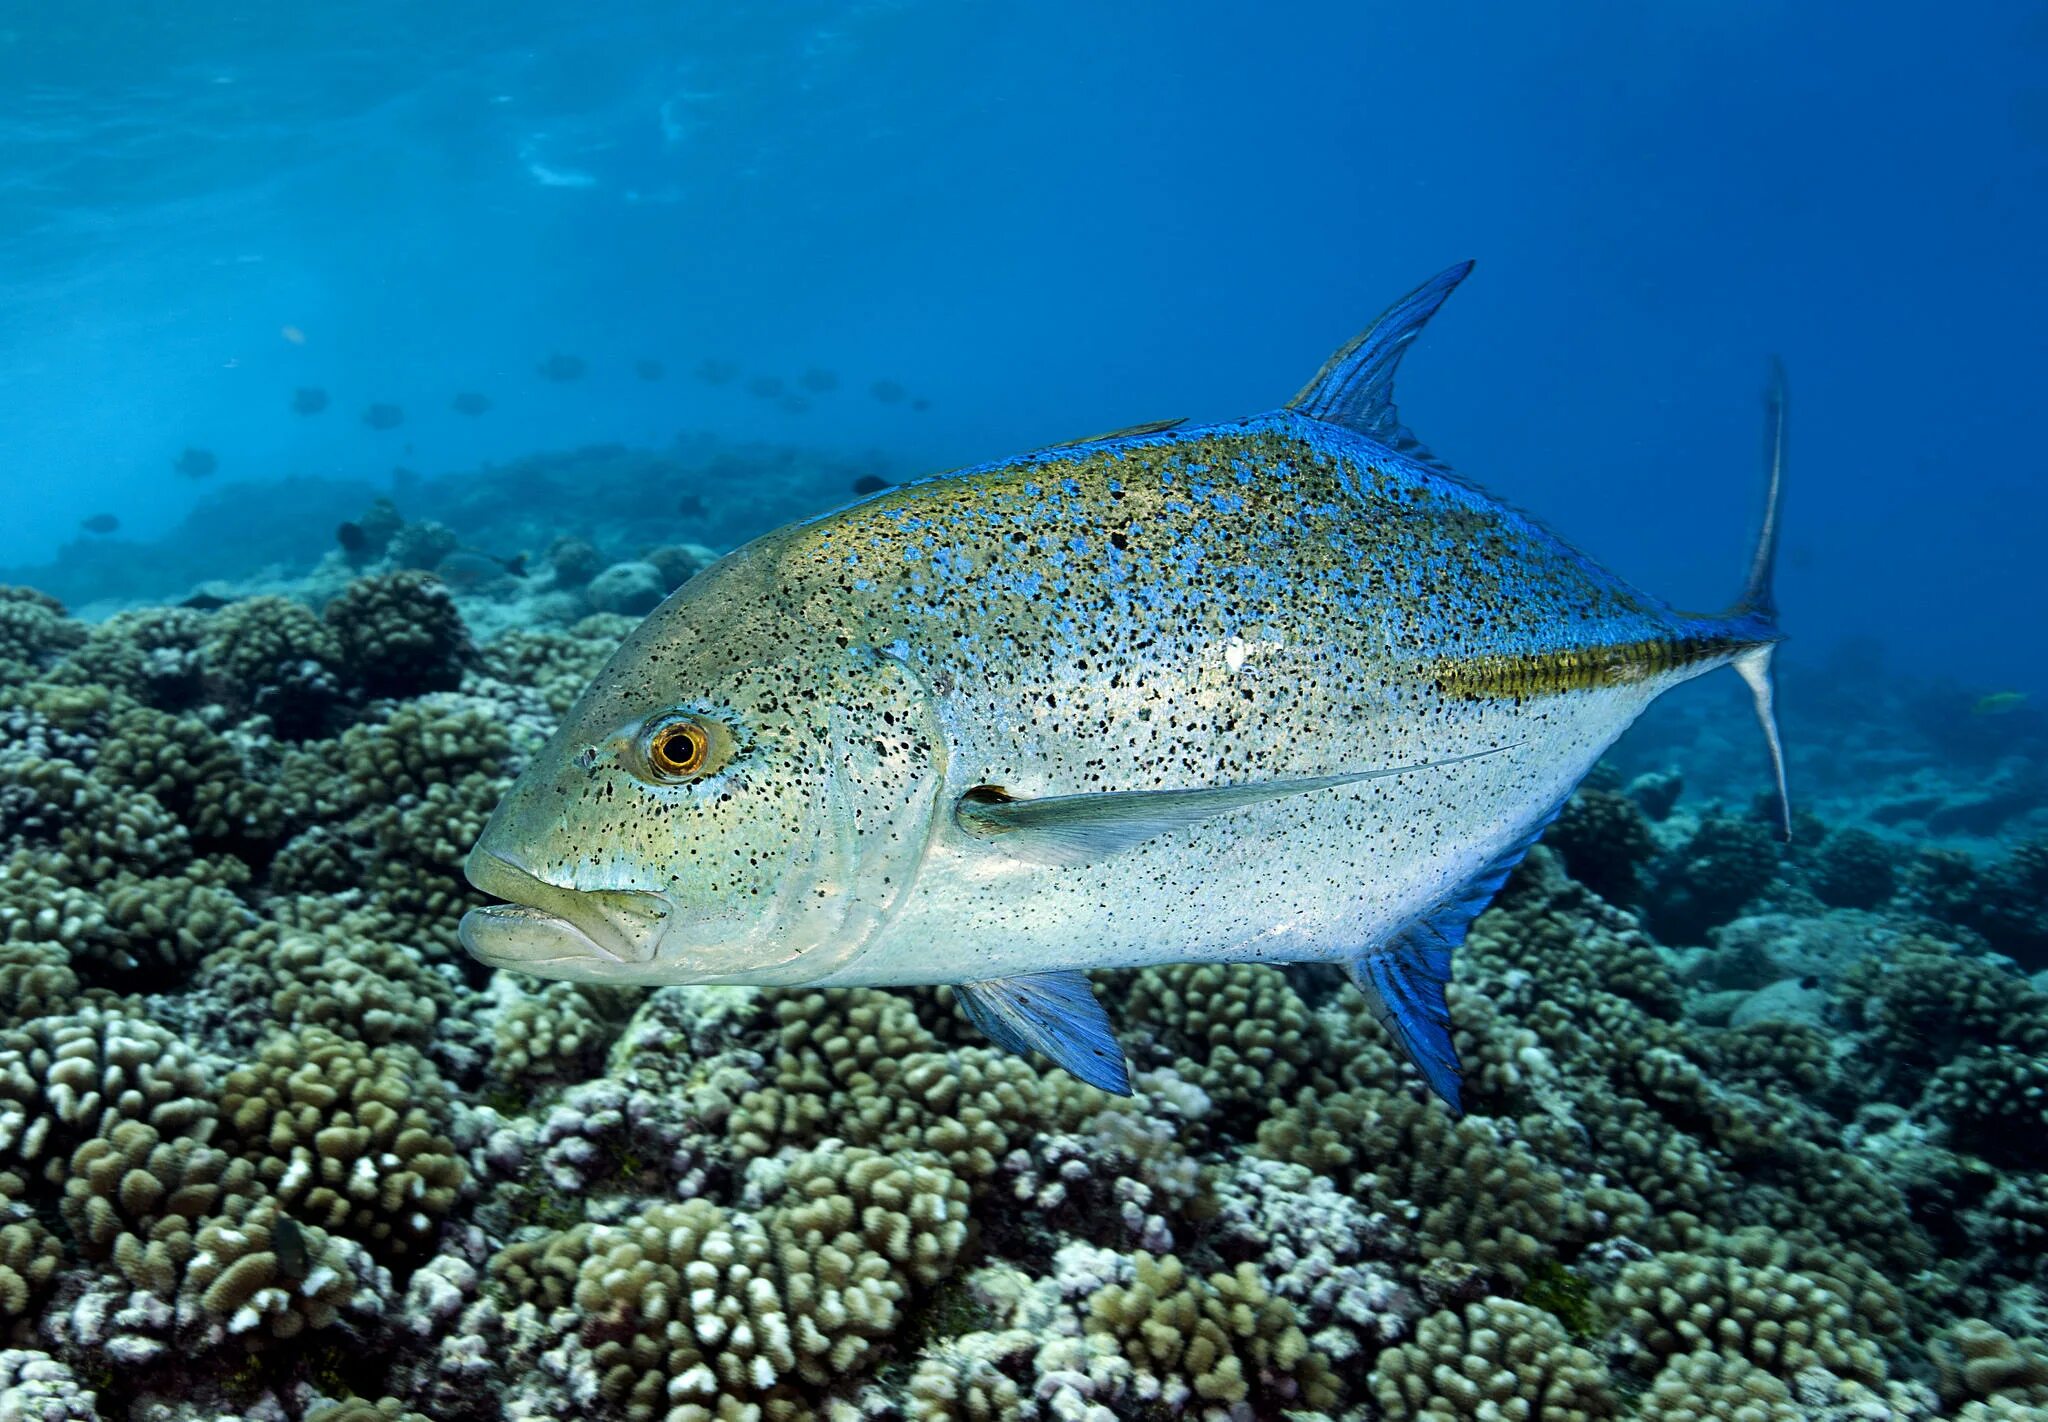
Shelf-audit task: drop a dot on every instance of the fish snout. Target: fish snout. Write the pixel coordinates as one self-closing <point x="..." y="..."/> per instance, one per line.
<point x="555" y="930"/>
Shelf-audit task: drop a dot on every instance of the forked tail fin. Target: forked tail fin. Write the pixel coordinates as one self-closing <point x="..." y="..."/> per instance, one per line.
<point x="1759" y="604"/>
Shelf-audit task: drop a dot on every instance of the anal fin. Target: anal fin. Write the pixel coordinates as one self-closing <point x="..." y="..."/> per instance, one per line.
<point x="1404" y="979"/>
<point x="1052" y="1013"/>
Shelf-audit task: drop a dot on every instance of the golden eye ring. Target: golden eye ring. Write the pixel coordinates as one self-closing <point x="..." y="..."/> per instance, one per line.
<point x="678" y="749"/>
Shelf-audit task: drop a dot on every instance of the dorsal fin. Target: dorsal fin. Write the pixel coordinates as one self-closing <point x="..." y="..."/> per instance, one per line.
<point x="1150" y="427"/>
<point x="1355" y="387"/>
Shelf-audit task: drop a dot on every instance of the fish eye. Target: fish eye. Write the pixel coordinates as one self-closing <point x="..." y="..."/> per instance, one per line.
<point x="680" y="747"/>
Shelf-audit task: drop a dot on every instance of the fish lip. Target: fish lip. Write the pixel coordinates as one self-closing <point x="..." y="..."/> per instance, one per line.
<point x="508" y="936"/>
<point x="618" y="926"/>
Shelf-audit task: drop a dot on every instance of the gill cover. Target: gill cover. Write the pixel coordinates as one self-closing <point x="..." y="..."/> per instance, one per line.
<point x="871" y="819"/>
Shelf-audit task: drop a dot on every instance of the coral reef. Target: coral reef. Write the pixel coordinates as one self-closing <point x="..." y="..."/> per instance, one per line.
<point x="1754" y="1134"/>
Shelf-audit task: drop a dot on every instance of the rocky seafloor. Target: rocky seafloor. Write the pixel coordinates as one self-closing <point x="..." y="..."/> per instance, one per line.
<point x="1753" y="1133"/>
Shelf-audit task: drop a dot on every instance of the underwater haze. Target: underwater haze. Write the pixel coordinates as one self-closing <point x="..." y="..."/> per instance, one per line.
<point x="370" y="371"/>
<point x="1047" y="221"/>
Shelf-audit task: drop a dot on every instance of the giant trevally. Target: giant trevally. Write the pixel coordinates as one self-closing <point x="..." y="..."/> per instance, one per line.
<point x="1276" y="690"/>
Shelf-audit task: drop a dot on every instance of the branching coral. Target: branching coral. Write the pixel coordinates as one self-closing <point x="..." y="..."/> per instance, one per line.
<point x="338" y="1132"/>
<point x="1975" y="1360"/>
<point x="1237" y="1030"/>
<point x="861" y="1065"/>
<point x="266" y="643"/>
<point x="1854" y="870"/>
<point x="29" y="1253"/>
<point x="690" y="1306"/>
<point x="1496" y="1359"/>
<point x="64" y="1080"/>
<point x="33" y="627"/>
<point x="1726" y="864"/>
<point x="1775" y="1317"/>
<point x="400" y="634"/>
<point x="1223" y="1339"/>
<point x="192" y="772"/>
<point x="1605" y="841"/>
<point x="258" y="1273"/>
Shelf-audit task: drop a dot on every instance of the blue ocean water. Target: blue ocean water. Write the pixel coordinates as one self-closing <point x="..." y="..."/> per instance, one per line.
<point x="1047" y="220"/>
<point x="368" y="371"/>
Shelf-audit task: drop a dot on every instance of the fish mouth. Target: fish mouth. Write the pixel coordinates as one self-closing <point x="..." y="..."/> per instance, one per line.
<point x="552" y="930"/>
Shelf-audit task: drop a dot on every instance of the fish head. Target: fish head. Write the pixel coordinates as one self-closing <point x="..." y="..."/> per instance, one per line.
<point x="740" y="796"/>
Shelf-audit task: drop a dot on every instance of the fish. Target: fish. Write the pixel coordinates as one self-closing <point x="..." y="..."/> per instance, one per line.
<point x="1999" y="703"/>
<point x="308" y="400"/>
<point x="383" y="417"/>
<point x="561" y="367"/>
<point x="196" y="463"/>
<point x="889" y="392"/>
<point x="292" y="334"/>
<point x="1280" y="689"/>
<point x="288" y="1248"/>
<point x="765" y="387"/>
<point x="352" y="537"/>
<point x="717" y="372"/>
<point x="206" y="602"/>
<point x="100" y="523"/>
<point x="690" y="505"/>
<point x="870" y="484"/>
<point x="819" y="380"/>
<point x="470" y="402"/>
<point x="649" y="369"/>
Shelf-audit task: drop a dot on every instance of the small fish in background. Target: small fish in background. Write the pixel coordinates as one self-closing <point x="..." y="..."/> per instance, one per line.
<point x="717" y="372"/>
<point x="765" y="387"/>
<point x="471" y="568"/>
<point x="206" y="602"/>
<point x="294" y="335"/>
<point x="308" y="400"/>
<point x="562" y="368"/>
<point x="870" y="484"/>
<point x="690" y="506"/>
<point x="1999" y="703"/>
<point x="101" y="523"/>
<point x="470" y="402"/>
<point x="196" y="463"/>
<point x="920" y="404"/>
<point x="794" y="403"/>
<point x="383" y="417"/>
<point x="354" y="541"/>
<point x="819" y="381"/>
<point x="288" y="1249"/>
<point x="888" y="392"/>
<point x="649" y="369"/>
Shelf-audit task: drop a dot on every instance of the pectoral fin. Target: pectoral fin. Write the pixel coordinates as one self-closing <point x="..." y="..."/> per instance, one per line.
<point x="1053" y="1013"/>
<point x="1077" y="829"/>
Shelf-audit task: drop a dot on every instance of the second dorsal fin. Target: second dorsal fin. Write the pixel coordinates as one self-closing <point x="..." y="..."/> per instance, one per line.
<point x="1355" y="387"/>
